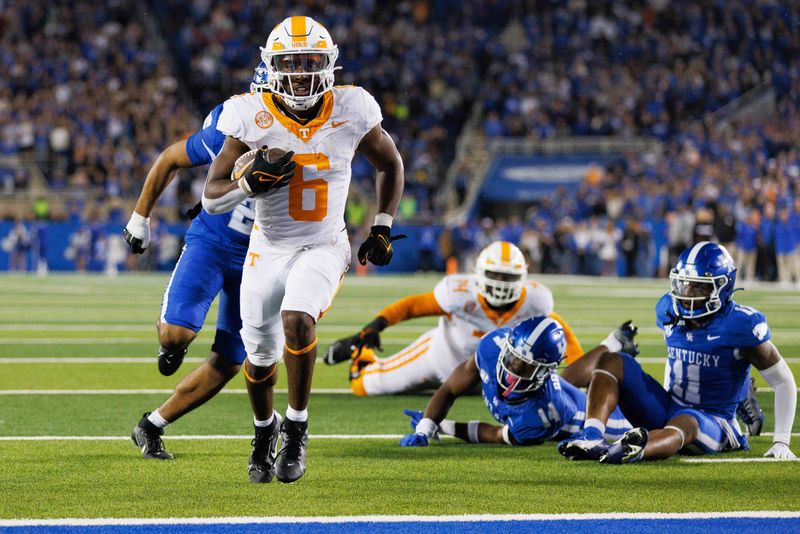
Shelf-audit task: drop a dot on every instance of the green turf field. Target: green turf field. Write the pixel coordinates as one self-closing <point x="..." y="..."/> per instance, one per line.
<point x="65" y="322"/>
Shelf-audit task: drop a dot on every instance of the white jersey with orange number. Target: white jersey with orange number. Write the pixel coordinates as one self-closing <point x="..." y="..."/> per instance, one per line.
<point x="469" y="316"/>
<point x="311" y="209"/>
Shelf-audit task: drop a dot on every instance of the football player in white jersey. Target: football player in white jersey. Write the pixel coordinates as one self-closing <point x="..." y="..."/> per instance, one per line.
<point x="299" y="250"/>
<point x="468" y="306"/>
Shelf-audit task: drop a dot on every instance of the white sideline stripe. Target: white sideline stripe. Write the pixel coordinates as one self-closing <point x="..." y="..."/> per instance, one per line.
<point x="202" y="338"/>
<point x="151" y="359"/>
<point x="734" y="460"/>
<point x="84" y="359"/>
<point x="193" y="437"/>
<point x="234" y="391"/>
<point x="467" y="518"/>
<point x="90" y="327"/>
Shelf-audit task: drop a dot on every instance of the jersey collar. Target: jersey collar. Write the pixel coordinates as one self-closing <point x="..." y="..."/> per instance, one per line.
<point x="495" y="316"/>
<point x="306" y="131"/>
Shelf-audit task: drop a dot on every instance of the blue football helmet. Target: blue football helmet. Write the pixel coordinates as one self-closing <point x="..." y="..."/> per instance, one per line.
<point x="532" y="351"/>
<point x="260" y="83"/>
<point x="702" y="280"/>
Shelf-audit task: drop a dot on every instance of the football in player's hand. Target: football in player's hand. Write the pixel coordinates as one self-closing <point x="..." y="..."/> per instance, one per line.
<point x="245" y="161"/>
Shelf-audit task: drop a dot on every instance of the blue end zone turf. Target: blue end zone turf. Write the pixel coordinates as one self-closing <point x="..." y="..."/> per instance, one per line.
<point x="577" y="526"/>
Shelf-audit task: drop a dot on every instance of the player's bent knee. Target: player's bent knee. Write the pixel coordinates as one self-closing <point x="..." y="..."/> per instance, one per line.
<point x="260" y="374"/>
<point x="686" y="423"/>
<point x="223" y="365"/>
<point x="299" y="327"/>
<point x="174" y="338"/>
<point x="611" y="363"/>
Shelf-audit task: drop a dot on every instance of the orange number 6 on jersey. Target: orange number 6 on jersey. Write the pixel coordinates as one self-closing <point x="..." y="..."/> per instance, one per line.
<point x="317" y="189"/>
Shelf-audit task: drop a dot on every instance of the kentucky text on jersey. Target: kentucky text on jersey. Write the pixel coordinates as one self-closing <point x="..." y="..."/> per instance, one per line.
<point x="693" y="357"/>
<point x="706" y="370"/>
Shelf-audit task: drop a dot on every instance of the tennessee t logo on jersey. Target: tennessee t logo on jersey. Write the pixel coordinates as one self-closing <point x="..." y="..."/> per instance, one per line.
<point x="253" y="257"/>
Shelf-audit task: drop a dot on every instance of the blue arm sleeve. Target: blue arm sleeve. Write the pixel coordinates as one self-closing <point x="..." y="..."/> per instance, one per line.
<point x="204" y="145"/>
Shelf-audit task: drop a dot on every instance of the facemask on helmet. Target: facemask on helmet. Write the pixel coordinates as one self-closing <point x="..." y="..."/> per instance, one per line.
<point x="299" y="57"/>
<point x="702" y="281"/>
<point x="531" y="352"/>
<point x="501" y="273"/>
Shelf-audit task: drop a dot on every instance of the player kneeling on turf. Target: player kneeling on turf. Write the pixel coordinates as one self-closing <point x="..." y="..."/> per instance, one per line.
<point x="521" y="388"/>
<point x="711" y="343"/>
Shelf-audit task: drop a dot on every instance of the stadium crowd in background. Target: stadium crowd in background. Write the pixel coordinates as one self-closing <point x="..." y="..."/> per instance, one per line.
<point x="93" y="103"/>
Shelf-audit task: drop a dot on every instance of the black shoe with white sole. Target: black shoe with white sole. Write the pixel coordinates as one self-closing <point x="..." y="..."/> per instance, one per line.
<point x="261" y="467"/>
<point x="291" y="462"/>
<point x="147" y="437"/>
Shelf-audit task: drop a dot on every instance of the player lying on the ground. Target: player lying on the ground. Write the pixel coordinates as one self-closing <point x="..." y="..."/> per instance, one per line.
<point x="210" y="264"/>
<point x="469" y="305"/>
<point x="299" y="249"/>
<point x="711" y="344"/>
<point x="521" y="388"/>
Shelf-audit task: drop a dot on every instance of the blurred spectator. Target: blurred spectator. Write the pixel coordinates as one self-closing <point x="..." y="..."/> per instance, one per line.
<point x="786" y="248"/>
<point x="747" y="245"/>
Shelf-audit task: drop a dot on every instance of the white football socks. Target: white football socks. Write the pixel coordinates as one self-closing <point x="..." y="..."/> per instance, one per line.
<point x="263" y="424"/>
<point x="156" y="419"/>
<point x="300" y="416"/>
<point x="595" y="423"/>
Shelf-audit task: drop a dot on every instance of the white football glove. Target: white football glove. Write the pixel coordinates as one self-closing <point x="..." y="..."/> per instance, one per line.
<point x="137" y="233"/>
<point x="780" y="450"/>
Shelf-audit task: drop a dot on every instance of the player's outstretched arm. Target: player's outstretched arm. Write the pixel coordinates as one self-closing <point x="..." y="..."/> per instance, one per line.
<point x="137" y="231"/>
<point x="378" y="147"/>
<point x="221" y="194"/>
<point x="766" y="358"/>
<point x="461" y="380"/>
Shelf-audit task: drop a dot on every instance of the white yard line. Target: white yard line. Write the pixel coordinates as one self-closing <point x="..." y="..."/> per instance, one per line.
<point x="192" y="437"/>
<point x="160" y="391"/>
<point x="467" y="518"/>
<point x="151" y="359"/>
<point x="734" y="460"/>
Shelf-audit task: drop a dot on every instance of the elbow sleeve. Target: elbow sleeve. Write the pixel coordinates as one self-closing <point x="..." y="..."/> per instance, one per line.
<point x="225" y="203"/>
<point x="780" y="377"/>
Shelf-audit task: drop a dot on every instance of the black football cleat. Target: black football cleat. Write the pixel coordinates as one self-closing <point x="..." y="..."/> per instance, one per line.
<point x="291" y="462"/>
<point x="169" y="362"/>
<point x="339" y="351"/>
<point x="750" y="412"/>
<point x="261" y="467"/>
<point x="147" y="437"/>
<point x="626" y="334"/>
<point x="627" y="449"/>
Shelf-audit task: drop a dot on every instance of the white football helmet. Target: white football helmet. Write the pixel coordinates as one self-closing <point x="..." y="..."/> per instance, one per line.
<point x="501" y="272"/>
<point x="300" y="57"/>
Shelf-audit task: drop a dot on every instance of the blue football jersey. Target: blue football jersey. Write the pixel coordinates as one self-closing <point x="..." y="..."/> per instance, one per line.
<point x="232" y="227"/>
<point x="706" y="370"/>
<point x="557" y="407"/>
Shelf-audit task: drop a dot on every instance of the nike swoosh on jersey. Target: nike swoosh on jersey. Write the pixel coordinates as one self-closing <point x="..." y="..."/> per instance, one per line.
<point x="712" y="338"/>
<point x="337" y="124"/>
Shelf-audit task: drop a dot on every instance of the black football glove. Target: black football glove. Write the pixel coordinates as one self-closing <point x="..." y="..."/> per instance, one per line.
<point x="265" y="176"/>
<point x="369" y="336"/>
<point x="626" y="334"/>
<point x="377" y="248"/>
